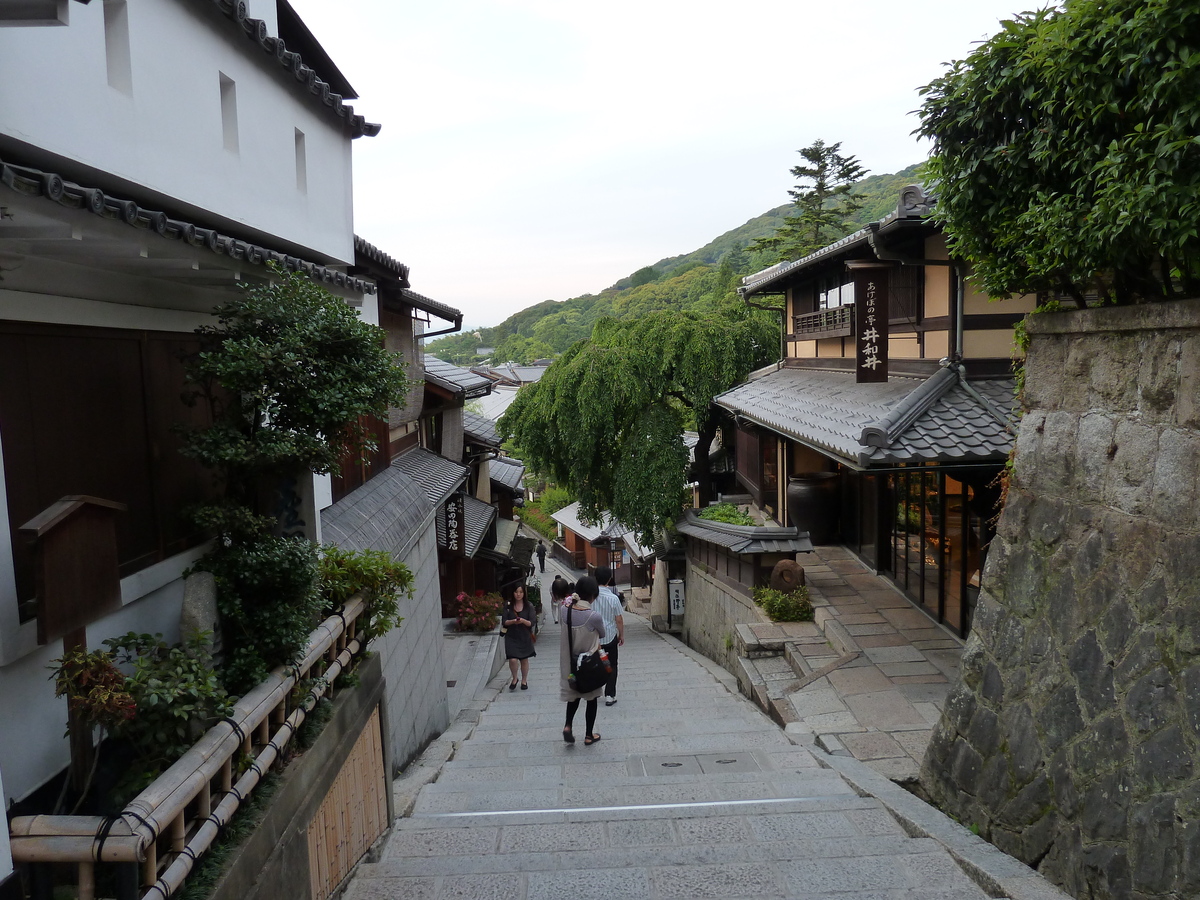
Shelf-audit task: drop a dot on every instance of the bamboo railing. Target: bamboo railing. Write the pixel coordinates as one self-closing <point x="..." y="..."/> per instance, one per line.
<point x="174" y="821"/>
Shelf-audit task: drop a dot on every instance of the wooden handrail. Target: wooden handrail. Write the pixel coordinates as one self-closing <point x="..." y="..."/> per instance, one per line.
<point x="159" y="811"/>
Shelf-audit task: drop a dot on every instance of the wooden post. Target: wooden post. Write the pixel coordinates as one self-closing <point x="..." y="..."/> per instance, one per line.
<point x="77" y="581"/>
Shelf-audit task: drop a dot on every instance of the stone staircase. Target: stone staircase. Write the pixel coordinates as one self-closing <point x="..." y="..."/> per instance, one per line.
<point x="691" y="792"/>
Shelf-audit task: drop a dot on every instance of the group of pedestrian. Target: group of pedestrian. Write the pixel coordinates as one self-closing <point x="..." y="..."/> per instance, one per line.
<point x="591" y="609"/>
<point x="592" y="612"/>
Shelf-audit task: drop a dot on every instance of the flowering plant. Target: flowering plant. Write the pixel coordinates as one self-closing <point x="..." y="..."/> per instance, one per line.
<point x="478" y="612"/>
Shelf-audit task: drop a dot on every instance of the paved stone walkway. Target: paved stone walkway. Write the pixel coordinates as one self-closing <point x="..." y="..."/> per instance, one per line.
<point x="867" y="679"/>
<point x="692" y="792"/>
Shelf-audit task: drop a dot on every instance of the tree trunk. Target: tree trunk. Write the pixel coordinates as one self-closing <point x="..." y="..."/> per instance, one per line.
<point x="703" y="475"/>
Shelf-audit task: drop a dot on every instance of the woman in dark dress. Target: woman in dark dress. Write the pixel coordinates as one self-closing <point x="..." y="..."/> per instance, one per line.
<point x="518" y="617"/>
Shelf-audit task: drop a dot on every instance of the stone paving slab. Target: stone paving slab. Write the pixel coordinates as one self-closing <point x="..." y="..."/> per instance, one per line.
<point x="516" y="813"/>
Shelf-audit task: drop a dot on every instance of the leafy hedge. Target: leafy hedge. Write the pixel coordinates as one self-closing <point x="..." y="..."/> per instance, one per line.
<point x="781" y="607"/>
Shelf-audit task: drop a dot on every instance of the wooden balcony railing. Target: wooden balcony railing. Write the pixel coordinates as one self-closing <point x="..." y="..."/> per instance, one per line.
<point x="174" y="821"/>
<point x="836" y="322"/>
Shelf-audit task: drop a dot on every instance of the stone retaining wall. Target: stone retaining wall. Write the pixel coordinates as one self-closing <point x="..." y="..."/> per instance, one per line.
<point x="713" y="612"/>
<point x="1071" y="741"/>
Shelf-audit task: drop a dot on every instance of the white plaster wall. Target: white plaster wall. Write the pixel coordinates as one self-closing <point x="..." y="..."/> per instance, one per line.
<point x="411" y="656"/>
<point x="32" y="746"/>
<point x="165" y="133"/>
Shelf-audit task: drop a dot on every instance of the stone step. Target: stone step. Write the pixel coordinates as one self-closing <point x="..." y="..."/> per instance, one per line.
<point x="852" y="851"/>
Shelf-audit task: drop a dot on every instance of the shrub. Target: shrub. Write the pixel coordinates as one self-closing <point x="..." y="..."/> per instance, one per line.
<point x="344" y="573"/>
<point x="727" y="513"/>
<point x="781" y="607"/>
<point x="269" y="603"/>
<point x="479" y="612"/>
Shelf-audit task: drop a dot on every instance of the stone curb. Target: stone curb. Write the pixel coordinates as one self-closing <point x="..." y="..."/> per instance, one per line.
<point x="997" y="873"/>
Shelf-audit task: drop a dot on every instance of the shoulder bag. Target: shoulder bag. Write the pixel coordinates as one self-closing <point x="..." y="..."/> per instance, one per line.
<point x="589" y="671"/>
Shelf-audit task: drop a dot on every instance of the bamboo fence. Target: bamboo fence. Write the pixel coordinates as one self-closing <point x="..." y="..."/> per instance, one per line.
<point x="174" y="821"/>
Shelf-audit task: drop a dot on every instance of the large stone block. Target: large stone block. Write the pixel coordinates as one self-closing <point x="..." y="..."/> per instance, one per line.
<point x="1164" y="761"/>
<point x="1158" y="379"/>
<point x="1187" y="411"/>
<point x="1176" y="489"/>
<point x="1104" y="808"/>
<point x="1130" y="483"/>
<point x="1088" y="663"/>
<point x="1094" y="439"/>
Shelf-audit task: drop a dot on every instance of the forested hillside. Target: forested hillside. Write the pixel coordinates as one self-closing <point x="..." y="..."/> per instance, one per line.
<point x="700" y="280"/>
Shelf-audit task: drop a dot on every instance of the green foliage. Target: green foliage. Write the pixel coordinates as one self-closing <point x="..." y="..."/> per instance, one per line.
<point x="168" y="700"/>
<point x="344" y="573"/>
<point x="289" y="373"/>
<point x="533" y="516"/>
<point x="479" y="611"/>
<point x="1066" y="153"/>
<point x="824" y="202"/>
<point x="269" y="603"/>
<point x="726" y="512"/>
<point x="644" y="275"/>
<point x="177" y="695"/>
<point x="781" y="607"/>
<point x="555" y="498"/>
<point x="606" y="421"/>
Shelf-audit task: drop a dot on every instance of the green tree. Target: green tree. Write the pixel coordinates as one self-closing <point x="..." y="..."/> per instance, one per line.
<point x="1066" y="155"/>
<point x="824" y="199"/>
<point x="606" y="421"/>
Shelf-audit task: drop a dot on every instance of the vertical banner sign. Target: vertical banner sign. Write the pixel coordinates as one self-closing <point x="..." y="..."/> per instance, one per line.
<point x="871" y="324"/>
<point x="454" y="524"/>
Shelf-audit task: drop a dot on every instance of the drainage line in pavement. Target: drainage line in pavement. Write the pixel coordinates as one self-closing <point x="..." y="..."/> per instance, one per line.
<point x="579" y="809"/>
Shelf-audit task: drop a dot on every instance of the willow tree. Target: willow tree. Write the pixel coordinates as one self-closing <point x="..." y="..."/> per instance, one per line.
<point x="607" y="419"/>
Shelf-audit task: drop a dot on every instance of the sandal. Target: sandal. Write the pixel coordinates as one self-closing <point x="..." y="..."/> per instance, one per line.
<point x="591" y="739"/>
<point x="567" y="736"/>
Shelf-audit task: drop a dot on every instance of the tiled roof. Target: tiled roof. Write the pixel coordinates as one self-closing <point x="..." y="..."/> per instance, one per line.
<point x="942" y="419"/>
<point x="455" y="379"/>
<point x="480" y="429"/>
<point x="606" y="529"/>
<point x="437" y="476"/>
<point x="386" y="513"/>
<point x="508" y="472"/>
<point x="54" y="187"/>
<point x="743" y="538"/>
<point x="256" y="30"/>
<point x="394" y="267"/>
<point x="441" y="310"/>
<point x="477" y="518"/>
<point x="914" y="205"/>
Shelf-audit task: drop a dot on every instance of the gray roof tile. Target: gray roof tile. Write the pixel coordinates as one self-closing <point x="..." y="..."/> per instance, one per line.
<point x="437" y="476"/>
<point x="480" y="429"/>
<point x="743" y="538"/>
<point x="902" y="420"/>
<point x="386" y="513"/>
<point x="455" y="378"/>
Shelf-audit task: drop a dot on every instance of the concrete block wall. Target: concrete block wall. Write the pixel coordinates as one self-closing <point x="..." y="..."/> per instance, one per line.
<point x="1072" y="740"/>
<point x="411" y="657"/>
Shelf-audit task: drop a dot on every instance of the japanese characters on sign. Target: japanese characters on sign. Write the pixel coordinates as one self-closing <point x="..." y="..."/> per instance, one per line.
<point x="871" y="324"/>
<point x="454" y="524"/>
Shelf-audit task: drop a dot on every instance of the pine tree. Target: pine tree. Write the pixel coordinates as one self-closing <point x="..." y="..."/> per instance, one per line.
<point x="824" y="201"/>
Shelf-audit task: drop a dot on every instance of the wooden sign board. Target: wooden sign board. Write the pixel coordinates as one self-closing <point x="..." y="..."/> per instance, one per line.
<point x="456" y="535"/>
<point x="870" y="324"/>
<point x="75" y="564"/>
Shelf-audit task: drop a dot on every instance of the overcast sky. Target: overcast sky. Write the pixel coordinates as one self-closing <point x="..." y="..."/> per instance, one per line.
<point x="543" y="149"/>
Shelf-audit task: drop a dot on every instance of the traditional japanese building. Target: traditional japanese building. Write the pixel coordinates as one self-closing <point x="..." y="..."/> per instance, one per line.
<point x="887" y="424"/>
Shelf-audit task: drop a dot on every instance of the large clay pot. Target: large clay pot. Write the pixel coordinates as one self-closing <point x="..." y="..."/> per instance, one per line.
<point x="812" y="500"/>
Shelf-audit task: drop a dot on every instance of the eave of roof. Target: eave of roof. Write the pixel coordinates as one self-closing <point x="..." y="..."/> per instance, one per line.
<point x="256" y="30"/>
<point x="35" y="182"/>
<point x="438" y="477"/>
<point x="480" y="430"/>
<point x="912" y="210"/>
<point x="744" y="539"/>
<point x="433" y="307"/>
<point x="944" y="418"/>
<point x="459" y="381"/>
